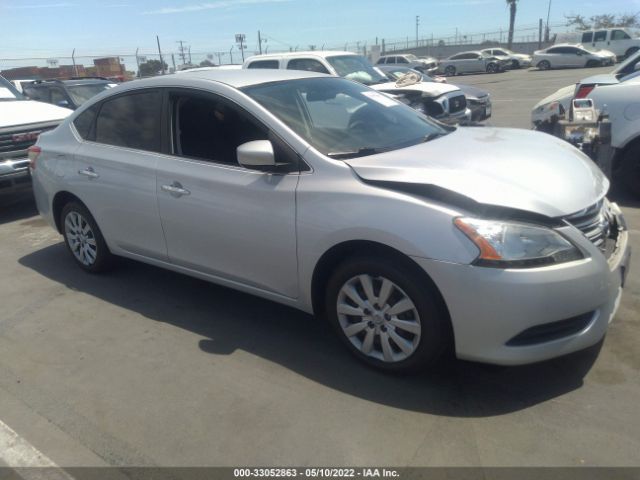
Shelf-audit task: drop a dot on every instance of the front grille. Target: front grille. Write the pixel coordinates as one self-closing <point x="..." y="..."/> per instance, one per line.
<point x="596" y="223"/>
<point x="14" y="143"/>
<point x="552" y="331"/>
<point x="457" y="104"/>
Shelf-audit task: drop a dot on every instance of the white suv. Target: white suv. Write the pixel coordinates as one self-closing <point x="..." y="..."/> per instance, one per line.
<point x="621" y="41"/>
<point x="443" y="102"/>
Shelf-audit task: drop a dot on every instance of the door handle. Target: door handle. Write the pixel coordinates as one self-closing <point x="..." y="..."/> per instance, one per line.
<point x="88" y="172"/>
<point x="175" y="189"/>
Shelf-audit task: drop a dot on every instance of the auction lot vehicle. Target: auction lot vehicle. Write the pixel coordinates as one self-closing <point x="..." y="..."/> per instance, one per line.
<point x="67" y="93"/>
<point x="571" y="56"/>
<point x="621" y="41"/>
<point x="409" y="236"/>
<point x="548" y="110"/>
<point x="478" y="100"/>
<point x="445" y="103"/>
<point x="424" y="65"/>
<point x="518" y="60"/>
<point x="21" y="121"/>
<point x="472" y="62"/>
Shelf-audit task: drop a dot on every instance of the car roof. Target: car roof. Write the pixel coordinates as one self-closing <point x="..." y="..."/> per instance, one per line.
<point x="233" y="78"/>
<point x="309" y="53"/>
<point x="468" y="51"/>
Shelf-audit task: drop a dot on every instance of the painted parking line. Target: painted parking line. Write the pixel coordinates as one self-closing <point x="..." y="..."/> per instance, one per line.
<point x="17" y="453"/>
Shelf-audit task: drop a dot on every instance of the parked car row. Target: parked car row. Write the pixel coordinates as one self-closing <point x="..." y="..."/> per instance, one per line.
<point x="572" y="56"/>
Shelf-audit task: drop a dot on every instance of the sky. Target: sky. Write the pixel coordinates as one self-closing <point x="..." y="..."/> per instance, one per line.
<point x="53" y="28"/>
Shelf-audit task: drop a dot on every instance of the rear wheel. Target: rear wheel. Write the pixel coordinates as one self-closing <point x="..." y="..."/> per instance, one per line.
<point x="84" y="239"/>
<point x="386" y="314"/>
<point x="629" y="173"/>
<point x="544" y="65"/>
<point x="450" y="71"/>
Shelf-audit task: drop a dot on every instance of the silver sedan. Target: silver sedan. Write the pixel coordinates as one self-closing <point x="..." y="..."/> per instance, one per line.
<point x="408" y="236"/>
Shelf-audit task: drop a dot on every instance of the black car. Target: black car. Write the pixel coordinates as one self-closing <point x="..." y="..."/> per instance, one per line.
<point x="478" y="100"/>
<point x="67" y="93"/>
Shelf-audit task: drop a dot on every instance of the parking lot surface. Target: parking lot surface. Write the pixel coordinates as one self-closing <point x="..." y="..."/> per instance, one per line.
<point x="143" y="366"/>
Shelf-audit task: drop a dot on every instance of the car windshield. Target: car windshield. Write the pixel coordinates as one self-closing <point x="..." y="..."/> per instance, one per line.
<point x="8" y="92"/>
<point x="342" y="119"/>
<point x="411" y="57"/>
<point x="82" y="93"/>
<point x="357" y="68"/>
<point x="396" y="74"/>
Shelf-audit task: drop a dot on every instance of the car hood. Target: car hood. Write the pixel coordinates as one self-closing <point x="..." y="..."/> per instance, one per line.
<point x="23" y="112"/>
<point x="433" y="89"/>
<point x="472" y="92"/>
<point x="511" y="168"/>
<point x="563" y="94"/>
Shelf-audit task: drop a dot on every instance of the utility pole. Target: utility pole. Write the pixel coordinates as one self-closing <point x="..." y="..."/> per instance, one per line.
<point x="546" y="32"/>
<point x="231" y="54"/>
<point x="417" y="25"/>
<point x="219" y="55"/>
<point x="173" y="62"/>
<point x="189" y="54"/>
<point x="137" y="63"/>
<point x="181" y="50"/>
<point x="540" y="35"/>
<point x="259" y="43"/>
<point x="160" y="53"/>
<point x="73" y="60"/>
<point x="240" y="39"/>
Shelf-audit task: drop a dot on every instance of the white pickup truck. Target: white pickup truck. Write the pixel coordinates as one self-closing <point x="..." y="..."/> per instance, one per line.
<point x="21" y="121"/>
<point x="621" y="41"/>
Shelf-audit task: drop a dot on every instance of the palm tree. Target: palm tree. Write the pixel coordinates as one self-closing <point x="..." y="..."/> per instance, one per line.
<point x="512" y="20"/>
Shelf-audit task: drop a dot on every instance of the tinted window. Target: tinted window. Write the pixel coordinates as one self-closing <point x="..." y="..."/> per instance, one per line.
<point x="556" y="50"/>
<point x="458" y="57"/>
<point x="402" y="60"/>
<point x="587" y="37"/>
<point x="357" y="68"/>
<point x="85" y="123"/>
<point x="131" y="121"/>
<point x="600" y="36"/>
<point x="58" y="96"/>
<point x="307" y="64"/>
<point x="619" y="35"/>
<point x="264" y="64"/>
<point x="380" y="61"/>
<point x="391" y="60"/>
<point x="81" y="93"/>
<point x="208" y="128"/>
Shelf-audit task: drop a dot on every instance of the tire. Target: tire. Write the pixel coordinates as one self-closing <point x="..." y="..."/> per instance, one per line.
<point x="84" y="238"/>
<point x="544" y="65"/>
<point x="450" y="71"/>
<point x="593" y="64"/>
<point x="630" y="52"/>
<point x="415" y="332"/>
<point x="492" y="68"/>
<point x="629" y="172"/>
<point x="515" y="64"/>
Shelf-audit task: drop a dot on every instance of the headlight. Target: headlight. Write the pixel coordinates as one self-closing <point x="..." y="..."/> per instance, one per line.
<point x="516" y="245"/>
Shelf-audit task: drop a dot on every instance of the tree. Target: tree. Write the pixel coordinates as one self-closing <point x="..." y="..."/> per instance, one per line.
<point x="512" y="20"/>
<point x="207" y="63"/>
<point x="605" y="20"/>
<point x="151" y="68"/>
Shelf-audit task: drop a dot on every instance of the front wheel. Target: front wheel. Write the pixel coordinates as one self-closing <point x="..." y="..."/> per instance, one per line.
<point x="84" y="239"/>
<point x="386" y="314"/>
<point x="492" y="68"/>
<point x="450" y="71"/>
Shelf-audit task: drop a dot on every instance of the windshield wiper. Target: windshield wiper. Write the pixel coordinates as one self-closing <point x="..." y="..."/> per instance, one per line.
<point x="432" y="136"/>
<point x="361" y="152"/>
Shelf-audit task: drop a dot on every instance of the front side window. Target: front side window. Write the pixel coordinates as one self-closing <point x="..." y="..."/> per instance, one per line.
<point x="264" y="64"/>
<point x="211" y="129"/>
<point x="131" y="121"/>
<point x="357" y="68"/>
<point x="342" y="119"/>
<point x="600" y="36"/>
<point x="81" y="93"/>
<point x="499" y="52"/>
<point x="380" y="61"/>
<point x="306" y="64"/>
<point x="555" y="50"/>
<point x="619" y="35"/>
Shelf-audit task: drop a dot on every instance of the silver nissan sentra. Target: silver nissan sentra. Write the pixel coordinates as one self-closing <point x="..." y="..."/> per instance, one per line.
<point x="408" y="236"/>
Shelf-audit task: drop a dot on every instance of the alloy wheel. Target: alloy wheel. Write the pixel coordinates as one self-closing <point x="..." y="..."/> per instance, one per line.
<point x="81" y="238"/>
<point x="378" y="318"/>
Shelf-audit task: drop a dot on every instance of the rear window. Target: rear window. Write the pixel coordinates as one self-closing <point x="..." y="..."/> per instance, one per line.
<point x="131" y="121"/>
<point x="600" y="36"/>
<point x="264" y="64"/>
<point x="306" y="64"/>
<point x="85" y="123"/>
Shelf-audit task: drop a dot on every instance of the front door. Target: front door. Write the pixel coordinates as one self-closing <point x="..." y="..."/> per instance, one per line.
<point x="218" y="217"/>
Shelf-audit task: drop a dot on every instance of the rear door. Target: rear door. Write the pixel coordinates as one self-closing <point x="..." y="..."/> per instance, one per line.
<point x="220" y="218"/>
<point x="115" y="171"/>
<point x="601" y="38"/>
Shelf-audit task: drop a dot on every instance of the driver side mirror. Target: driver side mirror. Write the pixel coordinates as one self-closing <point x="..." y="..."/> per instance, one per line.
<point x="63" y="103"/>
<point x="257" y="155"/>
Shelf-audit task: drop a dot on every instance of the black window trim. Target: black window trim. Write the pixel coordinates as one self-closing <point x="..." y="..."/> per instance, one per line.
<point x="297" y="167"/>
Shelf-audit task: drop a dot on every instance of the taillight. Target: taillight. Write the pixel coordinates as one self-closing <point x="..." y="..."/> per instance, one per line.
<point x="584" y="90"/>
<point x="34" y="152"/>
